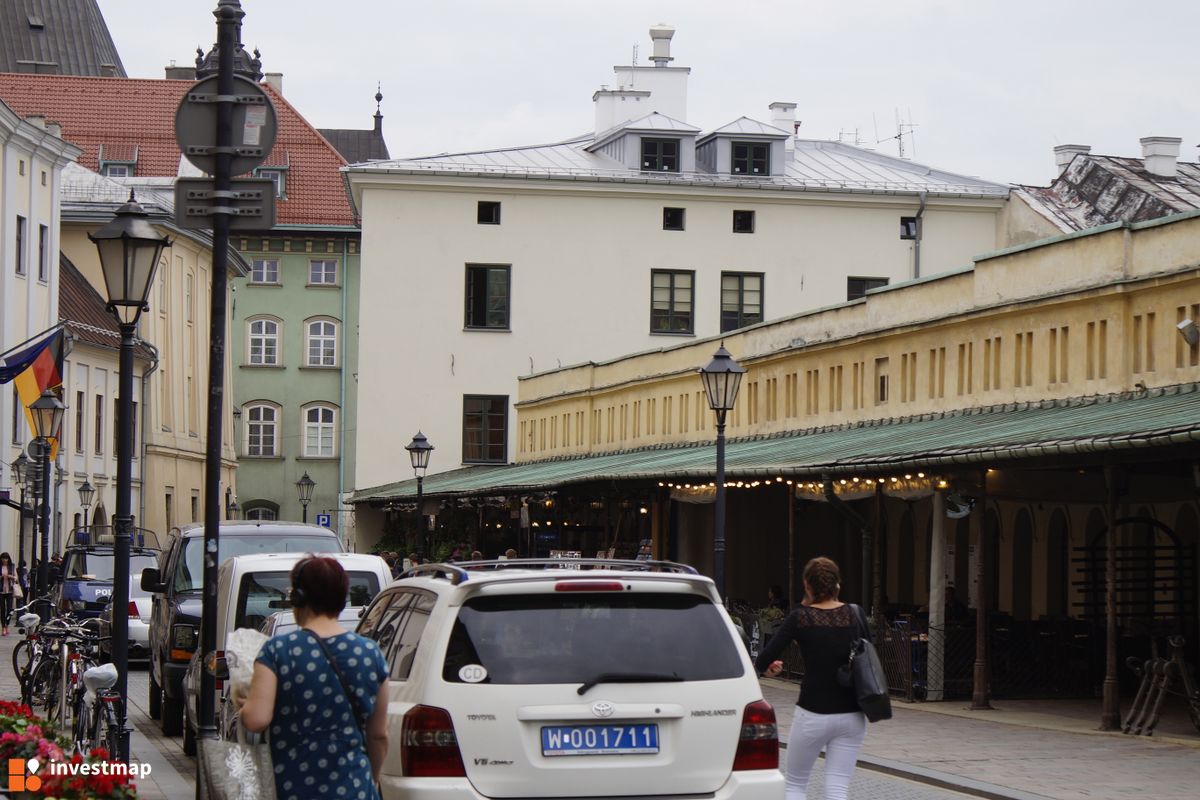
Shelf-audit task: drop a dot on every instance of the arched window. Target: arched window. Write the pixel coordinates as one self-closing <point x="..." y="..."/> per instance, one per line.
<point x="262" y="337"/>
<point x="320" y="343"/>
<point x="262" y="510"/>
<point x="262" y="430"/>
<point x="320" y="423"/>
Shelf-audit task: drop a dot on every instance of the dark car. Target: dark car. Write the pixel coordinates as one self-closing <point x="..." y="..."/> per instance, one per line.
<point x="87" y="569"/>
<point x="177" y="583"/>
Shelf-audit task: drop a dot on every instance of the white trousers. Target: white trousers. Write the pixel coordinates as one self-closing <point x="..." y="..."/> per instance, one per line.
<point x="841" y="736"/>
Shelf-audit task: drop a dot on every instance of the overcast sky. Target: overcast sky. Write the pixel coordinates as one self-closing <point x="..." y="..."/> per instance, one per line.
<point x="991" y="85"/>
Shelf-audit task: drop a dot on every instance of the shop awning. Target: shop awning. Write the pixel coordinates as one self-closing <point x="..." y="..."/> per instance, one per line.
<point x="981" y="436"/>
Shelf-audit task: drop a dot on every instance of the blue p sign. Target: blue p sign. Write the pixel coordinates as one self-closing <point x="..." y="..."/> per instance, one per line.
<point x="324" y="520"/>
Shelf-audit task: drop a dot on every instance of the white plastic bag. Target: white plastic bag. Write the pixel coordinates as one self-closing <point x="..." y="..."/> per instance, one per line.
<point x="241" y="649"/>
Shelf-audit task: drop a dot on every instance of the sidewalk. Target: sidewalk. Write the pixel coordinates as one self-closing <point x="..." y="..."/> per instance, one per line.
<point x="166" y="780"/>
<point x="1020" y="750"/>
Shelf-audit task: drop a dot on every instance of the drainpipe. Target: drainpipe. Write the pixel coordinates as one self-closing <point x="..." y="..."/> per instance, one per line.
<point x="142" y="424"/>
<point x="341" y="520"/>
<point x="867" y="539"/>
<point x="920" y="233"/>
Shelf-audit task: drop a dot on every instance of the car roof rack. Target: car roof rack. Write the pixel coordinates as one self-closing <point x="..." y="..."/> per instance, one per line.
<point x="458" y="571"/>
<point x="105" y="536"/>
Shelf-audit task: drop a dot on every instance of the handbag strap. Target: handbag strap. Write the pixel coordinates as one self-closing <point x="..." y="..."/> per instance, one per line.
<point x="359" y="717"/>
<point x="860" y="615"/>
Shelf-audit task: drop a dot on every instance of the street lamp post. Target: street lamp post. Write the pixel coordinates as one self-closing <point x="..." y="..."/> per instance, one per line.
<point x="722" y="376"/>
<point x="47" y="412"/>
<point x="129" y="248"/>
<point x="304" y="487"/>
<point x="419" y="450"/>
<point x="86" y="494"/>
<point x="20" y="469"/>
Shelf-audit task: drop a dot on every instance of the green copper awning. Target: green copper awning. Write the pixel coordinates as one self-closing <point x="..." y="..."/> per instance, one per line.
<point x="981" y="436"/>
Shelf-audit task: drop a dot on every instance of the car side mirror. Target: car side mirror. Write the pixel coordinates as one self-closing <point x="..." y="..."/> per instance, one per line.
<point x="152" y="581"/>
<point x="217" y="666"/>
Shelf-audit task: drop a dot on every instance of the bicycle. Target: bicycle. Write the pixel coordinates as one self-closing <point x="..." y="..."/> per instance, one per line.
<point x="58" y="677"/>
<point x="25" y="651"/>
<point x="95" y="716"/>
<point x="1158" y="675"/>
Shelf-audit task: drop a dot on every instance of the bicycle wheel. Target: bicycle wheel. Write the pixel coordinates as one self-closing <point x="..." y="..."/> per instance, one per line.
<point x="44" y="688"/>
<point x="21" y="656"/>
<point x="105" y="733"/>
<point x="84" y="727"/>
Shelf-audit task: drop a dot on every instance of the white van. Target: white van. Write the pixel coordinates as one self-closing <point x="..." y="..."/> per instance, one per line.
<point x="250" y="588"/>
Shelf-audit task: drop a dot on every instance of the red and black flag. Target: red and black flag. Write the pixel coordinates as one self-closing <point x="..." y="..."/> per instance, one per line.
<point x="35" y="366"/>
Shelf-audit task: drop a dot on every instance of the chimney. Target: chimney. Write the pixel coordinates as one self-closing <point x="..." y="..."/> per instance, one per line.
<point x="36" y="120"/>
<point x="177" y="73"/>
<point x="1065" y="153"/>
<point x="661" y="36"/>
<point x="54" y="129"/>
<point x="783" y="116"/>
<point x="1161" y="154"/>
<point x="275" y="81"/>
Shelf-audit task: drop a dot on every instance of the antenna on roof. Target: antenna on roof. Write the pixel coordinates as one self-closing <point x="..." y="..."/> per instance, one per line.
<point x="902" y="129"/>
<point x="853" y="137"/>
<point x="635" y="54"/>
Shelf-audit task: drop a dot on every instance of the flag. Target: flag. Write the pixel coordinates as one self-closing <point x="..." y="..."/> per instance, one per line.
<point x="35" y="369"/>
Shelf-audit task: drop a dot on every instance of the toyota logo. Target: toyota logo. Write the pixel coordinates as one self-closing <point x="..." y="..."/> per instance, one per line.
<point x="603" y="709"/>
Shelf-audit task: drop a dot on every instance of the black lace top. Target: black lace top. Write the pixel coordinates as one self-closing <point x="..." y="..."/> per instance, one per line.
<point x="824" y="636"/>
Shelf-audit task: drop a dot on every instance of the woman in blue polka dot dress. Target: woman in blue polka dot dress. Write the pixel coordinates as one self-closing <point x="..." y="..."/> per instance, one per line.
<point x="319" y="747"/>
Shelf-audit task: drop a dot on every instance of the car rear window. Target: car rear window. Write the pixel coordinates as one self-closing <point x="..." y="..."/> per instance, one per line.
<point x="559" y="638"/>
<point x="189" y="574"/>
<point x="260" y="589"/>
<point x="82" y="565"/>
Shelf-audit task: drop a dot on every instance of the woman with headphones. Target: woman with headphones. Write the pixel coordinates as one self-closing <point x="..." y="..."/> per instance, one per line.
<point x="323" y="692"/>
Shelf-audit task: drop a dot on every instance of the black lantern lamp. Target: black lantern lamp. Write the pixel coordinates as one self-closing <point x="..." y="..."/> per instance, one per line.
<point x="304" y="488"/>
<point x="419" y="450"/>
<point x="722" y="377"/>
<point x="129" y="251"/>
<point x="47" y="413"/>
<point x="87" y="493"/>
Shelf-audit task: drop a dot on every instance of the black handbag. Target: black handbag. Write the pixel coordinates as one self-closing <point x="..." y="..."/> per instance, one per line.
<point x="864" y="673"/>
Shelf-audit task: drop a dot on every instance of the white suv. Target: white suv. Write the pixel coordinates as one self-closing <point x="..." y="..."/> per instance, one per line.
<point x="523" y="679"/>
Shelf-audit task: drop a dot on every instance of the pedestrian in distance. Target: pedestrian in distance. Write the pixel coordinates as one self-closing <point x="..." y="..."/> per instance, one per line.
<point x="827" y="715"/>
<point x="323" y="692"/>
<point x="8" y="589"/>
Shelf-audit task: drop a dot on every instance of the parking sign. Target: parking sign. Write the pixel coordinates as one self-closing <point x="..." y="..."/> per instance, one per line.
<point x="325" y="520"/>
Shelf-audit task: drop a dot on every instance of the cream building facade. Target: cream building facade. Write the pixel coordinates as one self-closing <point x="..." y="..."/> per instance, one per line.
<point x="647" y="232"/>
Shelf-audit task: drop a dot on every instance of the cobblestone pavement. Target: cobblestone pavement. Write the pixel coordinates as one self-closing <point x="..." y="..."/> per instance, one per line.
<point x="1012" y="752"/>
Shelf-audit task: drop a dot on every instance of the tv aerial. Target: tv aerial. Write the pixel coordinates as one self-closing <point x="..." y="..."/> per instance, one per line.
<point x="903" y="129"/>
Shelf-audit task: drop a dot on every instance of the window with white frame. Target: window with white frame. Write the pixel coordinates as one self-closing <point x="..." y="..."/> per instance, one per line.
<point x="262" y="513"/>
<point x="319" y="424"/>
<point x="321" y="343"/>
<point x="263" y="340"/>
<point x="322" y="272"/>
<point x="264" y="270"/>
<point x="262" y="430"/>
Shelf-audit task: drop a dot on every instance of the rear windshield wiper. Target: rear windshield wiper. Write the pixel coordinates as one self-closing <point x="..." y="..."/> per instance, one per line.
<point x="628" y="677"/>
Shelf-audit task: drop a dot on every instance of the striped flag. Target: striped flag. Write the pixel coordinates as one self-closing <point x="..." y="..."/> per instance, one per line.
<point x="34" y="369"/>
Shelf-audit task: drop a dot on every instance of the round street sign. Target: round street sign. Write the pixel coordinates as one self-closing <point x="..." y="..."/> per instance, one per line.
<point x="254" y="125"/>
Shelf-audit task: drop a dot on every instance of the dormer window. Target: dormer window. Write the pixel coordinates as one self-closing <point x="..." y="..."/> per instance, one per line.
<point x="660" y="155"/>
<point x="116" y="170"/>
<point x="277" y="177"/>
<point x="751" y="158"/>
<point x="117" y="160"/>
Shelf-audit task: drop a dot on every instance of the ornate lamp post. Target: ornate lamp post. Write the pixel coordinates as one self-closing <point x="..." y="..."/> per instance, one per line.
<point x="304" y="487"/>
<point x="20" y="468"/>
<point x="47" y="413"/>
<point x="87" y="493"/>
<point x="129" y="248"/>
<point x="419" y="450"/>
<point x="722" y="377"/>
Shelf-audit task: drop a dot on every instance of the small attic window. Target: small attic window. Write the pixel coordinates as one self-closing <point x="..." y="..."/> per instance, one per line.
<point x="36" y="23"/>
<point x="117" y="170"/>
<point x="278" y="177"/>
<point x="908" y="227"/>
<point x="660" y="155"/>
<point x="751" y="158"/>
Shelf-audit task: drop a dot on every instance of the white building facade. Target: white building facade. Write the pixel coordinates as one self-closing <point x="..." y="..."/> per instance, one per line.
<point x="478" y="268"/>
<point x="32" y="157"/>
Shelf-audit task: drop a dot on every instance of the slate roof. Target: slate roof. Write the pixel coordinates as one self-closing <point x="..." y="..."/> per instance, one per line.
<point x="65" y="37"/>
<point x="1095" y="190"/>
<point x="124" y="112"/>
<point x="357" y="145"/>
<point x="816" y="165"/>
<point x="991" y="435"/>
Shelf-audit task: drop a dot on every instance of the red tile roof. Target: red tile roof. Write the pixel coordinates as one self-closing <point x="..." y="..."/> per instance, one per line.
<point x="136" y="111"/>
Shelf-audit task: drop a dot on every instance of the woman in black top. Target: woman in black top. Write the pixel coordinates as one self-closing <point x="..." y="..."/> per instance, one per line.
<point x="827" y="715"/>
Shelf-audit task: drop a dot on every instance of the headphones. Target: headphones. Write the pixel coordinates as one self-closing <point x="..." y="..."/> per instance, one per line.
<point x="297" y="596"/>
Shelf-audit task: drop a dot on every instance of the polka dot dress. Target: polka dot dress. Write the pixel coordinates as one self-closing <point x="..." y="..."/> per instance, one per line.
<point x="316" y="747"/>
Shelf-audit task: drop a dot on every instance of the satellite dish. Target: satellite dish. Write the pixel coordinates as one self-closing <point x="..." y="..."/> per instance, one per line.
<point x="958" y="506"/>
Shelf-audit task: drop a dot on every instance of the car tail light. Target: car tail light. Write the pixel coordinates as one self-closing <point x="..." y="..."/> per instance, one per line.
<point x="429" y="747"/>
<point x="589" y="586"/>
<point x="133" y="609"/>
<point x="758" y="743"/>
